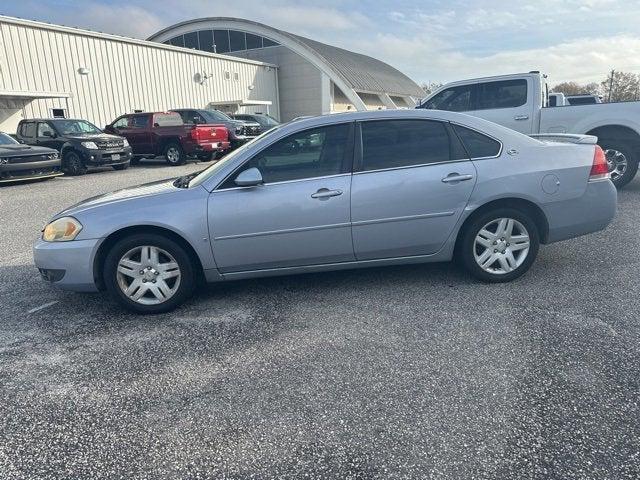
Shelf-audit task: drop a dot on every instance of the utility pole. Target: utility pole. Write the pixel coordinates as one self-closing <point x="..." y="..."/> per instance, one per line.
<point x="611" y="85"/>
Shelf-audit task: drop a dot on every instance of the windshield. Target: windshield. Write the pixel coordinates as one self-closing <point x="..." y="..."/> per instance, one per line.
<point x="267" y="120"/>
<point x="213" y="169"/>
<point x="75" y="127"/>
<point x="6" y="139"/>
<point x="215" y="116"/>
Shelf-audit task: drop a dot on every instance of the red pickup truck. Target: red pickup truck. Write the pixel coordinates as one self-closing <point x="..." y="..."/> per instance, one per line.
<point x="164" y="133"/>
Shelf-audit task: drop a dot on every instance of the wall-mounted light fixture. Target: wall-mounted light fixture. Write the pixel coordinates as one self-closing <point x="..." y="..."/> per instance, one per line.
<point x="251" y="87"/>
<point x="84" y="71"/>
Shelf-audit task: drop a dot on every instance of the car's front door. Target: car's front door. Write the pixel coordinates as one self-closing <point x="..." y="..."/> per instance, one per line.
<point x="136" y="129"/>
<point x="412" y="183"/>
<point x="47" y="137"/>
<point x="299" y="216"/>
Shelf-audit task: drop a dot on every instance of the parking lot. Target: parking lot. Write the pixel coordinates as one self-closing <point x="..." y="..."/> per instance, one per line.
<point x="415" y="371"/>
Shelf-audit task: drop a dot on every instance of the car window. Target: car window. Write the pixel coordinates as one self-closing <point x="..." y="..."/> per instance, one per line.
<point x="28" y="129"/>
<point x="44" y="127"/>
<point x="477" y="144"/>
<point x="312" y="153"/>
<point x="121" y="123"/>
<point x="139" y="121"/>
<point x="503" y="94"/>
<point x="403" y="143"/>
<point x="6" y="139"/>
<point x="454" y="99"/>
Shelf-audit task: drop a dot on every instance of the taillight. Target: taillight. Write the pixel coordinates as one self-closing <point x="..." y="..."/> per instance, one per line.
<point x="600" y="167"/>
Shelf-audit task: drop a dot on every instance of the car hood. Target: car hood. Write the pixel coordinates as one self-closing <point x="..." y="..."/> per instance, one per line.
<point x="100" y="137"/>
<point x="147" y="190"/>
<point x="20" y="149"/>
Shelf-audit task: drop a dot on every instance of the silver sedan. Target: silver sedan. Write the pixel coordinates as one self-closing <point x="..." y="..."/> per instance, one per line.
<point x="335" y="192"/>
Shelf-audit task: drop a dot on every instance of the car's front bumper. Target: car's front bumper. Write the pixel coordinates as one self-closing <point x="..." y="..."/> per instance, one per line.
<point x="15" y="172"/>
<point x="107" y="157"/>
<point x="68" y="265"/>
<point x="591" y="212"/>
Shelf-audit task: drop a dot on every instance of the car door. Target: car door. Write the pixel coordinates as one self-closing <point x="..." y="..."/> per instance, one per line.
<point x="506" y="102"/>
<point x="411" y="184"/>
<point x="299" y="216"/>
<point x="138" y="133"/>
<point x="46" y="136"/>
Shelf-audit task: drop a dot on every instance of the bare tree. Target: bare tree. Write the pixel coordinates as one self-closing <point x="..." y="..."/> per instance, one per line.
<point x="430" y="87"/>
<point x="574" y="88"/>
<point x="621" y="87"/>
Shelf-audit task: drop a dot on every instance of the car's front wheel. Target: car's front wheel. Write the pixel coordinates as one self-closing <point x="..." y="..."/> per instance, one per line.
<point x="500" y="245"/>
<point x="149" y="273"/>
<point x="72" y="164"/>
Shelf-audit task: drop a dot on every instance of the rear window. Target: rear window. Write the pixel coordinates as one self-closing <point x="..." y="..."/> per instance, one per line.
<point x="477" y="144"/>
<point x="167" y="119"/>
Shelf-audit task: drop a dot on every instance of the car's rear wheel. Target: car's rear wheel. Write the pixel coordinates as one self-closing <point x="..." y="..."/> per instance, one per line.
<point x="72" y="164"/>
<point x="149" y="273"/>
<point x="206" y="157"/>
<point x="174" y="154"/>
<point x="500" y="245"/>
<point x="621" y="160"/>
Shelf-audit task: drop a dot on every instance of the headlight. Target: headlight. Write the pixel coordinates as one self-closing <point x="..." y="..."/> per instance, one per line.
<point x="125" y="143"/>
<point x="90" y="145"/>
<point x="61" y="230"/>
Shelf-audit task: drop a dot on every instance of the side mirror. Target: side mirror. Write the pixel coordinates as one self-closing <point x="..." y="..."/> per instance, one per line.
<point x="249" y="178"/>
<point x="48" y="133"/>
<point x="156" y="125"/>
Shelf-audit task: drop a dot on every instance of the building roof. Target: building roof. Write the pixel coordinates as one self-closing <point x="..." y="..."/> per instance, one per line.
<point x="359" y="72"/>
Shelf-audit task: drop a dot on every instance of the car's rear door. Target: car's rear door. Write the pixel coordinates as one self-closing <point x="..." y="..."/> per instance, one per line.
<point x="411" y="184"/>
<point x="299" y="216"/>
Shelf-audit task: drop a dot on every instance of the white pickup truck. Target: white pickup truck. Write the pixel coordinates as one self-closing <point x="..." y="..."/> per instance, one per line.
<point x="521" y="102"/>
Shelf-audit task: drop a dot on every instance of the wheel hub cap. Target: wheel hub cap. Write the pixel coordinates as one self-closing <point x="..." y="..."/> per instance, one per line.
<point x="501" y="246"/>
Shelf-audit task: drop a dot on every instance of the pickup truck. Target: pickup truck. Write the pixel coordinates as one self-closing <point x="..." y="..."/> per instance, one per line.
<point x="521" y="102"/>
<point x="80" y="143"/>
<point x="164" y="133"/>
<point x="240" y="131"/>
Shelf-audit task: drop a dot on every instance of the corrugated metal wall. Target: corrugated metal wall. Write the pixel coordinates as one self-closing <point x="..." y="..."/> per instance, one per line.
<point x="125" y="75"/>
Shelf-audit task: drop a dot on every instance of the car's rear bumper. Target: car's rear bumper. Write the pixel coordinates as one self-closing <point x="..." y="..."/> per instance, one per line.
<point x="212" y="147"/>
<point x="68" y="265"/>
<point x="589" y="213"/>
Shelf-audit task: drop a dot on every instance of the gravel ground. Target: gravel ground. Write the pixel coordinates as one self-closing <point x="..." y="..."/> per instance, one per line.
<point x="402" y="372"/>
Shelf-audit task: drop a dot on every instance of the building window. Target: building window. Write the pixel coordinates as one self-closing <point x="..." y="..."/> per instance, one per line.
<point x="269" y="43"/>
<point x="221" y="40"/>
<point x="237" y="41"/>
<point x="205" y="40"/>
<point x="58" y="113"/>
<point x="191" y="40"/>
<point x="236" y="76"/>
<point x="253" y="41"/>
<point x="227" y="75"/>
<point x="177" y="41"/>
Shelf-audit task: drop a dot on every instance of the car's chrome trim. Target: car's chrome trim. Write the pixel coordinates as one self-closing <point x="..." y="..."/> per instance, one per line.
<point x="284" y="182"/>
<point x="283" y="231"/>
<point x="402" y="219"/>
<point x="362" y="172"/>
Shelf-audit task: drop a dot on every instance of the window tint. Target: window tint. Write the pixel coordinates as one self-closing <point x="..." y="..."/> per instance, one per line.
<point x="237" y="41"/>
<point x="221" y="39"/>
<point x="28" y="129"/>
<point x="454" y="99"/>
<point x="477" y="144"/>
<point x="121" y="122"/>
<point x="311" y="153"/>
<point x="505" y="94"/>
<point x="205" y="40"/>
<point x="139" y="121"/>
<point x="402" y="143"/>
<point x="44" y="127"/>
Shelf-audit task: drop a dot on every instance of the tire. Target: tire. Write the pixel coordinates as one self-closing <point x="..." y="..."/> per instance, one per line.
<point x="160" y="294"/>
<point x="219" y="155"/>
<point x="72" y="164"/>
<point x="135" y="160"/>
<point x="174" y="155"/>
<point x="122" y="166"/>
<point x="622" y="160"/>
<point x="511" y="258"/>
<point x="206" y="157"/>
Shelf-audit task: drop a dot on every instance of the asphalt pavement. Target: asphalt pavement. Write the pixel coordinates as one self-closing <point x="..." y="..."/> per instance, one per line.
<point x="400" y="372"/>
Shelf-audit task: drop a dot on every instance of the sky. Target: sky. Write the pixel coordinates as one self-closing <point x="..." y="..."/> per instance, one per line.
<point x="429" y="40"/>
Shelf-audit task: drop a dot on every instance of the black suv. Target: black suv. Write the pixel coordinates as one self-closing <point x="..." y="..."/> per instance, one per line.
<point x="80" y="143"/>
<point x="239" y="131"/>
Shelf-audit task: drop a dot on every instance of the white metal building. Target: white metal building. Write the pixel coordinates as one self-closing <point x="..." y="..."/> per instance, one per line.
<point x="314" y="78"/>
<point x="49" y="70"/>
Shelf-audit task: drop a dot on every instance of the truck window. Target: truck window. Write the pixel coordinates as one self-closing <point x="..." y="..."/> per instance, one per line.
<point x="139" y="121"/>
<point x="171" y="119"/>
<point x="454" y="99"/>
<point x="28" y="129"/>
<point x="44" y="127"/>
<point x="477" y="144"/>
<point x="503" y="94"/>
<point x="121" y="122"/>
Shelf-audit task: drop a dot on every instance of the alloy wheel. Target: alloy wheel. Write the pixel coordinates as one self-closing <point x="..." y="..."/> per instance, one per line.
<point x="148" y="275"/>
<point x="617" y="163"/>
<point x="501" y="246"/>
<point x="173" y="155"/>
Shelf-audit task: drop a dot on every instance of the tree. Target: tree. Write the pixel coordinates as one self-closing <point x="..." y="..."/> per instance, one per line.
<point x="430" y="87"/>
<point x="621" y="87"/>
<point x="574" y="88"/>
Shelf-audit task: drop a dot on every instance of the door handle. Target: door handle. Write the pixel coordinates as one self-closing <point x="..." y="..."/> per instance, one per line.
<point x="326" y="193"/>
<point x="456" y="177"/>
<point x="521" y="117"/>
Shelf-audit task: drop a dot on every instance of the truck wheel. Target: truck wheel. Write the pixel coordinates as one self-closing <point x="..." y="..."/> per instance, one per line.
<point x="206" y="157"/>
<point x="622" y="161"/>
<point x="72" y="164"/>
<point x="122" y="166"/>
<point x="174" y="154"/>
